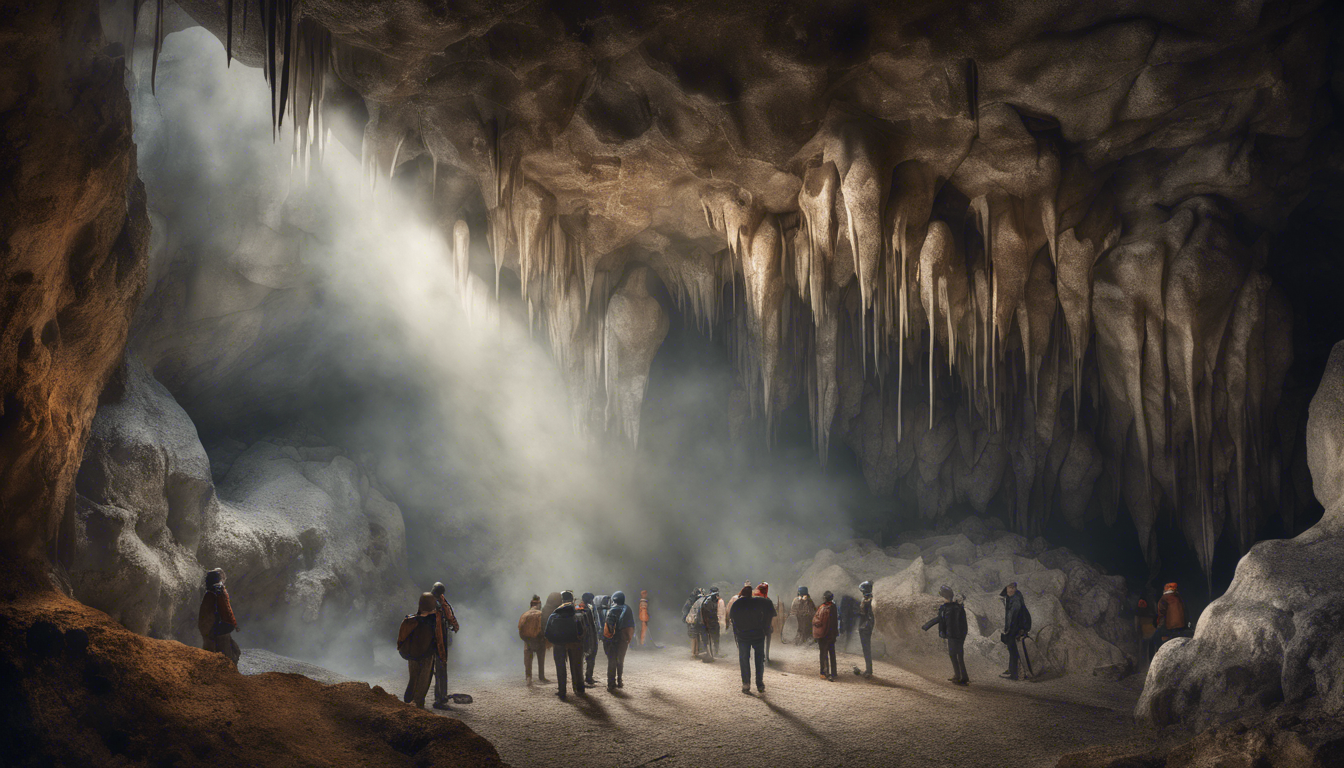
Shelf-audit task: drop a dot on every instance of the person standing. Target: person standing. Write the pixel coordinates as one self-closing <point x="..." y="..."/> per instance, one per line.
<point x="692" y="622"/>
<point x="709" y="616"/>
<point x="534" y="642"/>
<point x="826" y="628"/>
<point x="590" y="624"/>
<point x="417" y="642"/>
<point x="763" y="590"/>
<point x="1016" y="624"/>
<point x="564" y="629"/>
<point x="1171" y="619"/>
<point x="643" y="617"/>
<point x="444" y="622"/>
<point x="215" y="620"/>
<point x="951" y="621"/>
<point x="803" y="609"/>
<point x="864" y="624"/>
<point x="617" y="634"/>
<point x="728" y="623"/>
<point x="750" y="617"/>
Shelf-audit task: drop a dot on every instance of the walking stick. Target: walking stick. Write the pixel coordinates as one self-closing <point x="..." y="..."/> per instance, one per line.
<point x="1026" y="656"/>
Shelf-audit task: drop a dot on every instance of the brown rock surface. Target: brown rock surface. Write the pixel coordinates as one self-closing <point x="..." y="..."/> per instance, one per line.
<point x="76" y="688"/>
<point x="73" y="234"/>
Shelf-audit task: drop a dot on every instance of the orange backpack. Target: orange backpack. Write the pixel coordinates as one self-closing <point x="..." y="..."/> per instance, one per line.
<point x="529" y="624"/>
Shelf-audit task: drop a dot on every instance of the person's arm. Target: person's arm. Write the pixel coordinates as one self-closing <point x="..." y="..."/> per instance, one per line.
<point x="225" y="608"/>
<point x="929" y="624"/>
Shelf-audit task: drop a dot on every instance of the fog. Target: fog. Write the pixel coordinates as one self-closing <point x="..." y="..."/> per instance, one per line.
<point x="446" y="396"/>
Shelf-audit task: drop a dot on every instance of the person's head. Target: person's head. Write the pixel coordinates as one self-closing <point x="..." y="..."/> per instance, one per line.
<point x="427" y="603"/>
<point x="714" y="590"/>
<point x="945" y="592"/>
<point x="1011" y="589"/>
<point x="1170" y="589"/>
<point x="763" y="589"/>
<point x="214" y="577"/>
<point x="588" y="598"/>
<point x="827" y="596"/>
<point x="618" y="597"/>
<point x="644" y="593"/>
<point x="438" y="589"/>
<point x="536" y="601"/>
<point x="567" y="596"/>
<point x="745" y="591"/>
<point x="866" y="588"/>
<point x="802" y="591"/>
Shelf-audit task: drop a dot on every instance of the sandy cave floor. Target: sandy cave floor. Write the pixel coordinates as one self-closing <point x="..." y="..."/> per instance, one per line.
<point x="695" y="714"/>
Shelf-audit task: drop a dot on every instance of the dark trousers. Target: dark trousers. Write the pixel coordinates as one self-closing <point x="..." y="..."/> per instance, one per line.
<point x="440" y="680"/>
<point x="955" y="651"/>
<point x="827" y="646"/>
<point x="616" y="661"/>
<point x="1011" y="642"/>
<point x="712" y="641"/>
<point x="866" y="640"/>
<point x="589" y="659"/>
<point x="417" y="684"/>
<point x="767" y="645"/>
<point x="573" y="653"/>
<point x="744" y="653"/>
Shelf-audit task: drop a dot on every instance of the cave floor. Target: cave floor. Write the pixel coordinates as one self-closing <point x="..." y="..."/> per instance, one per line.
<point x="677" y="712"/>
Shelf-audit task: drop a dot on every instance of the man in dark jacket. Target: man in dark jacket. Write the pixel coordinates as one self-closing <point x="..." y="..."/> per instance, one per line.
<point x="951" y="621"/>
<point x="445" y="621"/>
<point x="864" y="623"/>
<point x="751" y="618"/>
<point x="826" y="628"/>
<point x="585" y="612"/>
<point x="567" y="642"/>
<point x="621" y="620"/>
<point x="1015" y="625"/>
<point x="709" y="616"/>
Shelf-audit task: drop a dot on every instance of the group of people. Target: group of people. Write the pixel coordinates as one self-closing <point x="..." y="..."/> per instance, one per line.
<point x="573" y="630"/>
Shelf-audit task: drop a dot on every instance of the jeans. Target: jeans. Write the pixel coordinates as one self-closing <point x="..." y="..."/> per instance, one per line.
<point x="616" y="661"/>
<point x="955" y="651"/>
<point x="573" y="653"/>
<point x="744" y="652"/>
<point x="827" y="647"/>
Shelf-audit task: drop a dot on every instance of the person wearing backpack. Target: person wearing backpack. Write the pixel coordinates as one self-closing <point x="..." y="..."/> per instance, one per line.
<point x="951" y="621"/>
<point x="826" y="628"/>
<point x="750" y="617"/>
<point x="534" y="642"/>
<point x="445" y="622"/>
<point x="584" y="610"/>
<point x="1016" y="625"/>
<point x="709" y="619"/>
<point x="564" y="630"/>
<point x="693" y="622"/>
<point x="216" y="620"/>
<point x="803" y="609"/>
<point x="417" y="643"/>
<point x="617" y="632"/>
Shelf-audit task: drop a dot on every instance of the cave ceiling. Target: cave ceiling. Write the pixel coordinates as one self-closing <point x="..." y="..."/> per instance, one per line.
<point x="1004" y="250"/>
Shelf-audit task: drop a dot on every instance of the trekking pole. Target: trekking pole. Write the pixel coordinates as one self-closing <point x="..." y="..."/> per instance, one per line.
<point x="1026" y="656"/>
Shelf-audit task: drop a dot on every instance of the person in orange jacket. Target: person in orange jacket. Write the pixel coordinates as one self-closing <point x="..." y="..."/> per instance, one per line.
<point x="643" y="616"/>
<point x="216" y="620"/>
<point x="1170" y="615"/>
<point x="826" y="628"/>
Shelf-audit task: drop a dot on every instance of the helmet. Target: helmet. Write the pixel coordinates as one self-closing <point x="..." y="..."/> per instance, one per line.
<point x="802" y="591"/>
<point x="866" y="587"/>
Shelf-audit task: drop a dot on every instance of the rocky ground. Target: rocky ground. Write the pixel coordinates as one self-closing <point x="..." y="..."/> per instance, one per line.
<point x="677" y="712"/>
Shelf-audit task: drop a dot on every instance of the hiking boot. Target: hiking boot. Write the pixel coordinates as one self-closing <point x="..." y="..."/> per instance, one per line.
<point x="831" y="679"/>
<point x="746" y="689"/>
<point x="1007" y="676"/>
<point x="868" y="675"/>
<point x="823" y="677"/>
<point x="620" y="684"/>
<point x="961" y="682"/>
<point x="954" y="679"/>
<point x="544" y="680"/>
<point x="443" y="706"/>
<point x="562" y="696"/>
<point x="760" y="687"/>
<point x="611" y="688"/>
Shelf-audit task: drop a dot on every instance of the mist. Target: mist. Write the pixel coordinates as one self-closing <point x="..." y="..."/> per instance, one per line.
<point x="449" y="398"/>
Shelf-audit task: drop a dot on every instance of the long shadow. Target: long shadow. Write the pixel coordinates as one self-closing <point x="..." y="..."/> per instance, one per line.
<point x="590" y="707"/>
<point x="796" y="722"/>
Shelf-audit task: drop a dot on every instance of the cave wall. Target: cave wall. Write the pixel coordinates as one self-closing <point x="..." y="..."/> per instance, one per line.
<point x="73" y="237"/>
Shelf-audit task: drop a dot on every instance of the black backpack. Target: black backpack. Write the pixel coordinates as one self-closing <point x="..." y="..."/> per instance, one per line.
<point x="611" y="629"/>
<point x="562" y="628"/>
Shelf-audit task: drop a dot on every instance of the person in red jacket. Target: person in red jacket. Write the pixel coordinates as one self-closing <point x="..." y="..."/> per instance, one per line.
<point x="216" y="620"/>
<point x="826" y="628"/>
<point x="1170" y="615"/>
<point x="444" y="621"/>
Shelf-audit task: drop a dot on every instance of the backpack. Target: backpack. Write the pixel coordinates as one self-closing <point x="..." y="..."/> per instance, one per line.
<point x="562" y="629"/>
<point x="612" y="626"/>
<point x="693" y="615"/>
<point x="415" y="637"/>
<point x="529" y="624"/>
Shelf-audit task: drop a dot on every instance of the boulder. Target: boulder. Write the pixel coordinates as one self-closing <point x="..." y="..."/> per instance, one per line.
<point x="1077" y="624"/>
<point x="313" y="551"/>
<point x="1277" y="635"/>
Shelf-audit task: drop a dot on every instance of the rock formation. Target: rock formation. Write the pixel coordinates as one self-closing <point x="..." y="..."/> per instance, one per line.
<point x="1078" y="626"/>
<point x="1030" y="237"/>
<point x="315" y="554"/>
<point x="1276" y="636"/>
